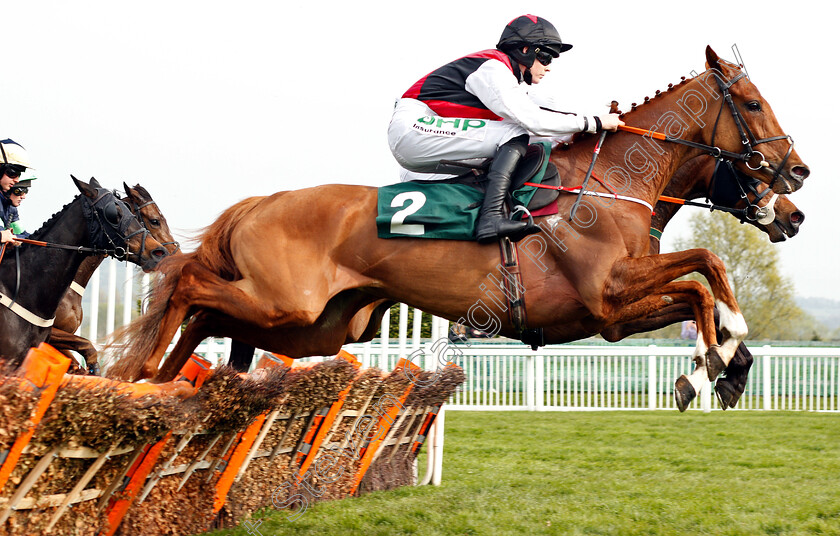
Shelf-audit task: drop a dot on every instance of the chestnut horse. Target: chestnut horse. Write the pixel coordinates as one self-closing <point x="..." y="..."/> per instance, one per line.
<point x="68" y="317"/>
<point x="743" y="194"/>
<point x="307" y="261"/>
<point x="95" y="222"/>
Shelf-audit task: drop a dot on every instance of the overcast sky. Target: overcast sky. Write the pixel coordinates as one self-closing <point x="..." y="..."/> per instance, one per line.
<point x="206" y="103"/>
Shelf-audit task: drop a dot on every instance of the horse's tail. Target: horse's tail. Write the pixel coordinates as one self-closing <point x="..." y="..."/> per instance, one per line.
<point x="132" y="344"/>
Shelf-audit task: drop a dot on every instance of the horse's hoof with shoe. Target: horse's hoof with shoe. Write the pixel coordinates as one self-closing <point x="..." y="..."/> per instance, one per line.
<point x="714" y="363"/>
<point x="684" y="393"/>
<point x="726" y="393"/>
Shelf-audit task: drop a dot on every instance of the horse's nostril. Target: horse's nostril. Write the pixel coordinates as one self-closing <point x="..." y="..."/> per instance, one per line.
<point x="796" y="218"/>
<point x="801" y="172"/>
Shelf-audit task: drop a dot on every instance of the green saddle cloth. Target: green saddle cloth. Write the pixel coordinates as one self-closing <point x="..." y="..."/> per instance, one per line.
<point x="429" y="209"/>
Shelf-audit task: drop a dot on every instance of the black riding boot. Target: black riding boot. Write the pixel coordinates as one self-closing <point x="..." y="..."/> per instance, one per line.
<point x="492" y="223"/>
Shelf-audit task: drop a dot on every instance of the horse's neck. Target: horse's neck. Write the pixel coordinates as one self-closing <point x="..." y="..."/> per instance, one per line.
<point x="689" y="182"/>
<point x="51" y="270"/>
<point x="650" y="165"/>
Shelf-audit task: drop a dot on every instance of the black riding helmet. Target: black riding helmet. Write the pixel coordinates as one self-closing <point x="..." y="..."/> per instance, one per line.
<point x="534" y="32"/>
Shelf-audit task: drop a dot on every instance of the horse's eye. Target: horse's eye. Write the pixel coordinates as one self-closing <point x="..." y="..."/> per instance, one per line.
<point x="112" y="214"/>
<point x="155" y="222"/>
<point x="754" y="106"/>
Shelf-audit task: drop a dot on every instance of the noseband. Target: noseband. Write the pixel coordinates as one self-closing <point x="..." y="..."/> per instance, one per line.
<point x="135" y="208"/>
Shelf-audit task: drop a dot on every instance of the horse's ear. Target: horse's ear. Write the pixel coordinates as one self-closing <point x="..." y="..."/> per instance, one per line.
<point x="84" y="187"/>
<point x="95" y="183"/>
<point x="127" y="189"/>
<point x="712" y="59"/>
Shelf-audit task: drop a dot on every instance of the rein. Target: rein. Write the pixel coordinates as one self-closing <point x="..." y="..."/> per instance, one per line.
<point x="118" y="252"/>
<point x="580" y="191"/>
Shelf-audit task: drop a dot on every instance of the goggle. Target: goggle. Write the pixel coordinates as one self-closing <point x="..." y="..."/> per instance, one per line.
<point x="543" y="57"/>
<point x="12" y="172"/>
<point x="20" y="190"/>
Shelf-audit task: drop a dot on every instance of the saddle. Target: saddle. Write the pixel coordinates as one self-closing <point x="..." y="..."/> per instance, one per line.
<point x="449" y="208"/>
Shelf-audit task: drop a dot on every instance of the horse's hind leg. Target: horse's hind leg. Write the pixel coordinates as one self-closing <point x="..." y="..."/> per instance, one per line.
<point x="169" y="325"/>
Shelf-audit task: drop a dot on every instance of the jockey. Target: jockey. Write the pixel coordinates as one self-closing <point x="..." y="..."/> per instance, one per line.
<point x="13" y="162"/>
<point x="9" y="203"/>
<point x="476" y="107"/>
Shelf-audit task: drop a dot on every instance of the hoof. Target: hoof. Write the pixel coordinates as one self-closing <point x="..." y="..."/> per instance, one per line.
<point x="714" y="363"/>
<point x="726" y="393"/>
<point x="684" y="393"/>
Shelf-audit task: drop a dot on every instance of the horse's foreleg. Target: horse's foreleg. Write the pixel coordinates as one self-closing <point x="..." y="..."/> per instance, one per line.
<point x="633" y="279"/>
<point x="670" y="314"/>
<point x="64" y="341"/>
<point x="700" y="302"/>
<point x="728" y="387"/>
<point x="199" y="328"/>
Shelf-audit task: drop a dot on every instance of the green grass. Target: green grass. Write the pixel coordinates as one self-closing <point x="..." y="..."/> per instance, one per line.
<point x="607" y="473"/>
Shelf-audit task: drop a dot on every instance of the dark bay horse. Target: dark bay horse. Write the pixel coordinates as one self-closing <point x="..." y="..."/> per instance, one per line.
<point x="95" y="222"/>
<point x="305" y="262"/>
<point x="68" y="316"/>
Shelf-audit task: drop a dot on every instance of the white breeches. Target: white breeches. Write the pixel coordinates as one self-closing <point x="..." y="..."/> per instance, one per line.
<point x="419" y="139"/>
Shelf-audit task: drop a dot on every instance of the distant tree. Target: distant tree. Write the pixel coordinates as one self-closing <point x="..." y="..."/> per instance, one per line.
<point x="425" y="323"/>
<point x="766" y="297"/>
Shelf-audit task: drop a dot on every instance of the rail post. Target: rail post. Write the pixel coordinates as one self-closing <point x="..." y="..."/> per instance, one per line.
<point x="652" y="380"/>
<point x="766" y="380"/>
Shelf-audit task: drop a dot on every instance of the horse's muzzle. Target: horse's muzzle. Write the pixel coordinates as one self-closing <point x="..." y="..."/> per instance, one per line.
<point x="796" y="178"/>
<point x="786" y="229"/>
<point x="155" y="256"/>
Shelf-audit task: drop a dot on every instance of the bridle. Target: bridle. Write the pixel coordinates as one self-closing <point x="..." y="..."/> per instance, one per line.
<point x="135" y="208"/>
<point x="748" y="139"/>
<point x="724" y="198"/>
<point x="751" y="158"/>
<point x="110" y="226"/>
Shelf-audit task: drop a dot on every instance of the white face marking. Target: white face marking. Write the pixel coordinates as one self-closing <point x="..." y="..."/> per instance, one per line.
<point x="307" y="292"/>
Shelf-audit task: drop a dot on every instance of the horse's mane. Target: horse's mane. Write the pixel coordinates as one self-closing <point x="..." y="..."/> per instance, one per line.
<point x="47" y="225"/>
<point x="671" y="87"/>
<point x="213" y="249"/>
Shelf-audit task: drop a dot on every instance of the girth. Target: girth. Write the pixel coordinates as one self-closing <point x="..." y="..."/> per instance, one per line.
<point x="514" y="291"/>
